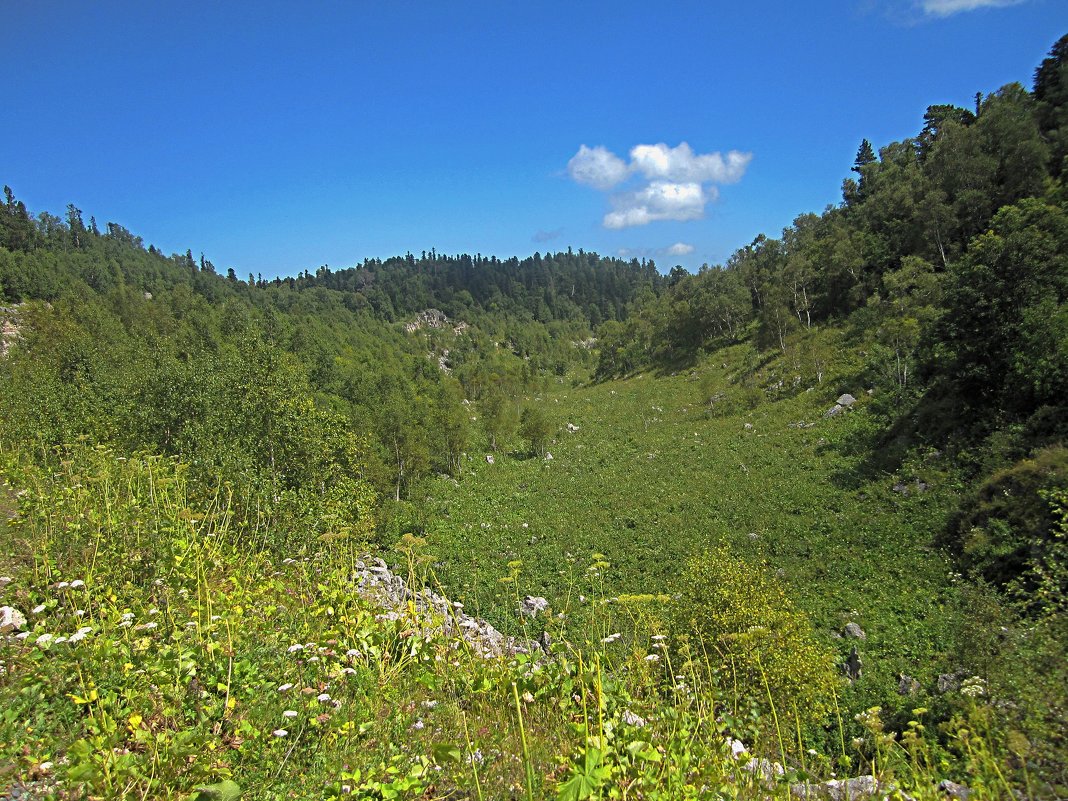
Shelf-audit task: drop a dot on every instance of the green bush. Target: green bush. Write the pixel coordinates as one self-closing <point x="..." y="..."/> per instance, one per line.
<point x="765" y="649"/>
<point x="1003" y="529"/>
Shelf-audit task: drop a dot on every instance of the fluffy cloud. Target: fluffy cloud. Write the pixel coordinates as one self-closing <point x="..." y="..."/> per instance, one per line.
<point x="597" y="167"/>
<point x="682" y="164"/>
<point x="660" y="200"/>
<point x="672" y="183"/>
<point x="680" y="249"/>
<point x="945" y="8"/>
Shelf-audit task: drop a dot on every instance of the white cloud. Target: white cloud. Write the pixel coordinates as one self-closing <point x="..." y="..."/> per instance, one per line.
<point x="680" y="249"/>
<point x="666" y="183"/>
<point x="660" y="200"/>
<point x="682" y="164"/>
<point x="945" y="8"/>
<point x="597" y="167"/>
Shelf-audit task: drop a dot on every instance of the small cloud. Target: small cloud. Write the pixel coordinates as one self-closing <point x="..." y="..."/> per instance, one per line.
<point x="946" y="8"/>
<point x="660" y="200"/>
<point x="682" y="164"/>
<point x="597" y="167"/>
<point x="680" y="249"/>
<point x="672" y="183"/>
<point x="547" y="236"/>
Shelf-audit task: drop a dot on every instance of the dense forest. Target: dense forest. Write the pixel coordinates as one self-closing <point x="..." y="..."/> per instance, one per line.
<point x="322" y="414"/>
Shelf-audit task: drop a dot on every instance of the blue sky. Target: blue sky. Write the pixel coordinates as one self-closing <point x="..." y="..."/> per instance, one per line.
<point x="275" y="137"/>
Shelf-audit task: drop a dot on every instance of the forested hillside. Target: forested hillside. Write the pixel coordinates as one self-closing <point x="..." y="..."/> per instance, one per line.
<point x="705" y="483"/>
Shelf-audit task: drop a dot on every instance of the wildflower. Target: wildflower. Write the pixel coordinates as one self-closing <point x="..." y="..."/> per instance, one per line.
<point x="612" y="637"/>
<point x="279" y="732"/>
<point x="352" y="652"/>
<point x="283" y="687"/>
<point x="632" y="719"/>
<point x="76" y="584"/>
<point x="295" y="647"/>
<point x="153" y="611"/>
<point x="80" y="634"/>
<point x="652" y="658"/>
<point x="192" y="624"/>
<point x="313" y="659"/>
<point x="323" y="697"/>
<point x="430" y="704"/>
<point x="62" y="585"/>
<point x="658" y="637"/>
<point x="146" y="626"/>
<point x="127" y="616"/>
<point x="418" y="725"/>
<point x="79" y="613"/>
<point x="349" y="671"/>
<point x="216" y="618"/>
<point x="289" y="713"/>
<point x="973" y="687"/>
<point x="38" y="609"/>
<point x="22" y="635"/>
<point x="528" y="698"/>
<point x="45" y="640"/>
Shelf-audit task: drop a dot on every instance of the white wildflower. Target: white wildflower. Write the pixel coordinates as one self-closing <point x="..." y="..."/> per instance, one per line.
<point x="45" y="640"/>
<point x="283" y="687"/>
<point x="127" y="616"/>
<point x="652" y="658"/>
<point x="22" y="635"/>
<point x="76" y="584"/>
<point x="295" y="647"/>
<point x="352" y="652"/>
<point x="658" y="637"/>
<point x="279" y="732"/>
<point x="80" y="634"/>
<point x="323" y="697"/>
<point x="38" y="609"/>
<point x="79" y="613"/>
<point x="612" y="637"/>
<point x="289" y="713"/>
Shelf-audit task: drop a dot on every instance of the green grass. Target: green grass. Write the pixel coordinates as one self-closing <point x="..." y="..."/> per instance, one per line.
<point x="652" y="477"/>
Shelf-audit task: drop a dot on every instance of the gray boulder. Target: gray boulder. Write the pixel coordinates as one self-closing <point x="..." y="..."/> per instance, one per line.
<point x="954" y="790"/>
<point x="907" y="685"/>
<point x="834" y="411"/>
<point x="11" y="619"/>
<point x="840" y="789"/>
<point x="853" y="666"/>
<point x="532" y="605"/>
<point x="855" y="631"/>
<point x="846" y="400"/>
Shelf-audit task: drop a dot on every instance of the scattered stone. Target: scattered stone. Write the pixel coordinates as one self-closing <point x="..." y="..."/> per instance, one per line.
<point x="764" y="769"/>
<point x="4" y="581"/>
<point x="532" y="604"/>
<point x="572" y="428"/>
<point x="921" y="486"/>
<point x="854" y="630"/>
<point x="949" y="682"/>
<point x="834" y="411"/>
<point x="748" y="426"/>
<point x="11" y="619"/>
<point x="489" y="458"/>
<point x="548" y="456"/>
<point x="907" y="685"/>
<point x="846" y="400"/>
<point x="901" y="489"/>
<point x="954" y="790"/>
<point x="853" y="666"/>
<point x="841" y="789"/>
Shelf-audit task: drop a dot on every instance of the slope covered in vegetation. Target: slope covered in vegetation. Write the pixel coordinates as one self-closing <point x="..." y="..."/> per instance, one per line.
<point x="813" y="500"/>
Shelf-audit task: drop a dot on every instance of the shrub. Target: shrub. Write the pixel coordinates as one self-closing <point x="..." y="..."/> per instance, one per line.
<point x="766" y="651"/>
